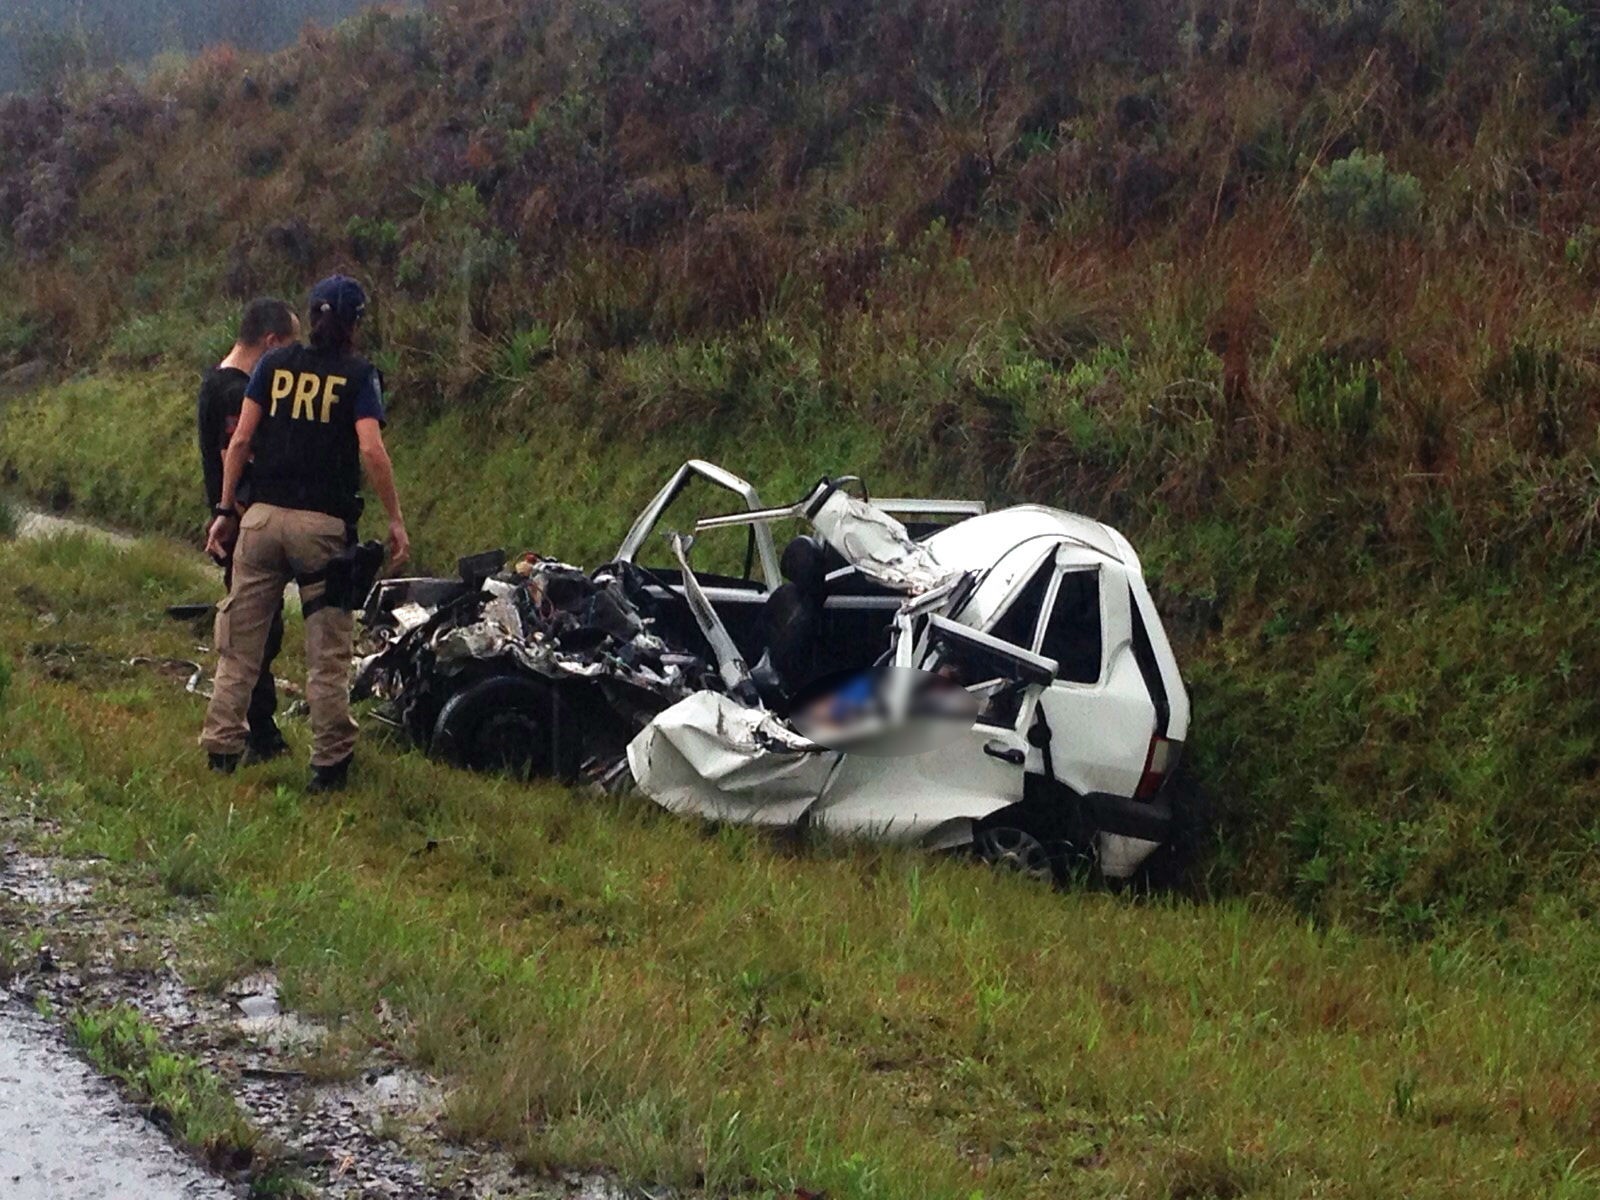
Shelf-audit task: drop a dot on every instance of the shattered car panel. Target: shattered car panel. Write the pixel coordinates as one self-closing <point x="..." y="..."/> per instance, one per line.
<point x="710" y="756"/>
<point x="542" y="623"/>
<point x="1073" y="744"/>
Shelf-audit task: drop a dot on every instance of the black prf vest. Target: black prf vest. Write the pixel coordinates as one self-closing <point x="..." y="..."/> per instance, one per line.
<point x="306" y="452"/>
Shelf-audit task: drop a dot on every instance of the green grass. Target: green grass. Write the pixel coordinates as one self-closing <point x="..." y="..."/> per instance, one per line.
<point x="183" y="1096"/>
<point x="177" y="1091"/>
<point x="604" y="985"/>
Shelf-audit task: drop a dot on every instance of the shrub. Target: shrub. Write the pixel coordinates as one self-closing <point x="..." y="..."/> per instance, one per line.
<point x="46" y="153"/>
<point x="1338" y="395"/>
<point x="1361" y="194"/>
<point x="260" y="161"/>
<point x="1583" y="252"/>
<point x="1539" y="393"/>
<point x="49" y="204"/>
<point x="372" y="239"/>
<point x="50" y="58"/>
<point x="21" y="338"/>
<point x="1568" y="37"/>
<point x="522" y="351"/>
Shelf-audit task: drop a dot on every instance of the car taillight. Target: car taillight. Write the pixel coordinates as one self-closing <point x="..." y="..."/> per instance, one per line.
<point x="1158" y="764"/>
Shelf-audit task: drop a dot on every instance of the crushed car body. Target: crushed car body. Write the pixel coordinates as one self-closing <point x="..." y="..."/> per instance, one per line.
<point x="1058" y="709"/>
<point x="537" y="668"/>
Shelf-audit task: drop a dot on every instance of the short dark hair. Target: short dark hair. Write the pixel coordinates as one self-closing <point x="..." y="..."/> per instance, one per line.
<point x="266" y="318"/>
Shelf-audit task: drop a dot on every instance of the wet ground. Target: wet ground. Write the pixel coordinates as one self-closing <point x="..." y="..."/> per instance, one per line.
<point x="371" y="1130"/>
<point x="64" y="1133"/>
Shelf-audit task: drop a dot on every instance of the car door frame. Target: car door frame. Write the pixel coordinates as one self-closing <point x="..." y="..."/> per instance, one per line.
<point x="722" y="598"/>
<point x="1072" y="762"/>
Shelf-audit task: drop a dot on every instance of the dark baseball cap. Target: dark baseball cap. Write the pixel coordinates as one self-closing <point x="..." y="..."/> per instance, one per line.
<point x="342" y="294"/>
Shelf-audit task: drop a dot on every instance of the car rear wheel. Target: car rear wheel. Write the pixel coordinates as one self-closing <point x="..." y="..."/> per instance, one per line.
<point x="1010" y="848"/>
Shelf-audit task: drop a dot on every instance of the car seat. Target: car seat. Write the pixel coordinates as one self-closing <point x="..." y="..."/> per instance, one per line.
<point x="791" y="621"/>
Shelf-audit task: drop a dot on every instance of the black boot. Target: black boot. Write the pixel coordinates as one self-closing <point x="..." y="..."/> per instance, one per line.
<point x="225" y="764"/>
<point x="264" y="746"/>
<point x="330" y="779"/>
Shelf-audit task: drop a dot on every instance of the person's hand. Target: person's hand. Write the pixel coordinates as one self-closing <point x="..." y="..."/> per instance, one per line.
<point x="399" y="545"/>
<point x="220" y="537"/>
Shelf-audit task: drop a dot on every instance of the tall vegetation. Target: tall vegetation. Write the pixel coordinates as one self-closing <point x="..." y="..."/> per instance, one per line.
<point x="1299" y="294"/>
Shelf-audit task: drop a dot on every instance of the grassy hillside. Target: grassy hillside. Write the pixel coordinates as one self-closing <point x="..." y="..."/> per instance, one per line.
<point x="1301" y="296"/>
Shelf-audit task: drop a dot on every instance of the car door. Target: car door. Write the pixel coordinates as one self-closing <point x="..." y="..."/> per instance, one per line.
<point x="932" y="799"/>
<point x="1098" y="708"/>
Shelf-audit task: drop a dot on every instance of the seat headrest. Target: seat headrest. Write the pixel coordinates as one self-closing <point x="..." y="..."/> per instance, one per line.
<point x="805" y="564"/>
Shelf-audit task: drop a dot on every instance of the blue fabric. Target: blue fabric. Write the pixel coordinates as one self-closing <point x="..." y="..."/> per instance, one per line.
<point x="343" y="295"/>
<point x="853" y="697"/>
<point x="369" y="403"/>
<point x="256" y="389"/>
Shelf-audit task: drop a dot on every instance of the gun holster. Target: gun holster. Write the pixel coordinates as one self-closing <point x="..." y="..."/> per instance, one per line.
<point x="348" y="577"/>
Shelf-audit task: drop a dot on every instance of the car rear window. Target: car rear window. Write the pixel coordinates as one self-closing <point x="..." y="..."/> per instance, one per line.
<point x="1073" y="635"/>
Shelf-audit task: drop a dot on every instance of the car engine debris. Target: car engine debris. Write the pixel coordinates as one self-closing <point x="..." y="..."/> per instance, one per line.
<point x="429" y="643"/>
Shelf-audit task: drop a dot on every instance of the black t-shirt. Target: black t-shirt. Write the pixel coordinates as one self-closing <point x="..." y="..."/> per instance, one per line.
<point x="306" y="452"/>
<point x="217" y="415"/>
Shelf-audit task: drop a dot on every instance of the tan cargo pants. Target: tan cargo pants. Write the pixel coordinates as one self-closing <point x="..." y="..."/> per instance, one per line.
<point x="275" y="546"/>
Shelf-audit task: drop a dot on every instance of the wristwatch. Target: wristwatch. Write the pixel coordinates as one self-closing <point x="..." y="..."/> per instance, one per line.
<point x="219" y="511"/>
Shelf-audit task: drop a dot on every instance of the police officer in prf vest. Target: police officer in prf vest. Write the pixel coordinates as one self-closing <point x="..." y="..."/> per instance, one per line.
<point x="312" y="418"/>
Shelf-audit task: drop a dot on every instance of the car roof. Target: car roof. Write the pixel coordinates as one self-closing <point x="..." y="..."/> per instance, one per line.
<point x="979" y="542"/>
<point x="1004" y="549"/>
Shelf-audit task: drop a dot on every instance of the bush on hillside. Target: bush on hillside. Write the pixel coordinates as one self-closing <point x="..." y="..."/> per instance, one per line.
<point x="1583" y="252"/>
<point x="1541" y="396"/>
<point x="1570" y="37"/>
<point x="1362" y="194"/>
<point x="1338" y="395"/>
<point x="48" y="151"/>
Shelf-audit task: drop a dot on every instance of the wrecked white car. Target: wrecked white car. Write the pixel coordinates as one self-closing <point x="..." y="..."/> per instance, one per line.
<point x="704" y="684"/>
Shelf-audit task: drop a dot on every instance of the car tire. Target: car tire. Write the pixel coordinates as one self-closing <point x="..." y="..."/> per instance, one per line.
<point x="1029" y="841"/>
<point x="1016" y="850"/>
<point x="506" y="724"/>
